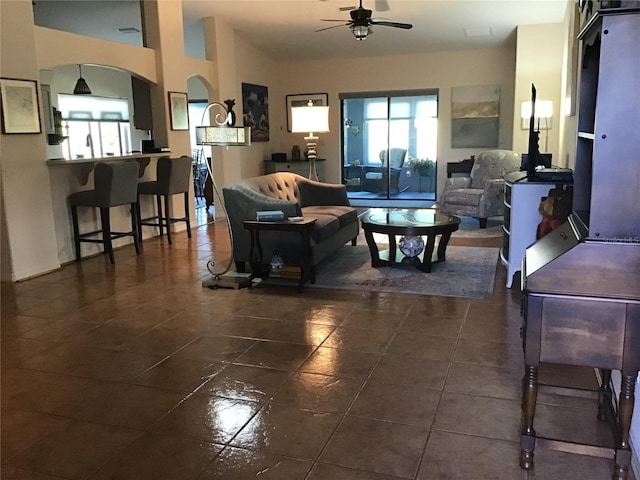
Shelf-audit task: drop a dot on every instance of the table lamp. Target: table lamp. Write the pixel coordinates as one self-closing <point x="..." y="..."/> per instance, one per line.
<point x="310" y="119"/>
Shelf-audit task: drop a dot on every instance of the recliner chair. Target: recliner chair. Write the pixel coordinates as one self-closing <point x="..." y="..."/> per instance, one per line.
<point x="480" y="195"/>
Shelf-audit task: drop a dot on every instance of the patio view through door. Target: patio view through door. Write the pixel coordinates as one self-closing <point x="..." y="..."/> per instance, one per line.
<point x="389" y="145"/>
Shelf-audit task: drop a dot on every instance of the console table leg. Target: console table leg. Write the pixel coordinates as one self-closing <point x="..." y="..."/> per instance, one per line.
<point x="528" y="434"/>
<point x="604" y="394"/>
<point x="625" y="412"/>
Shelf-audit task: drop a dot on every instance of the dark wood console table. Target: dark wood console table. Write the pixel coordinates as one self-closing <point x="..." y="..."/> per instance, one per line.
<point x="462" y="167"/>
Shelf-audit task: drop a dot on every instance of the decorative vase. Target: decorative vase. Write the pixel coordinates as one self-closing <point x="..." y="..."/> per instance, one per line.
<point x="231" y="115"/>
<point x="275" y="265"/>
<point x="411" y="246"/>
<point x="295" y="153"/>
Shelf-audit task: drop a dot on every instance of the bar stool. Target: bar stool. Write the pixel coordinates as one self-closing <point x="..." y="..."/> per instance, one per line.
<point x="114" y="184"/>
<point x="173" y="176"/>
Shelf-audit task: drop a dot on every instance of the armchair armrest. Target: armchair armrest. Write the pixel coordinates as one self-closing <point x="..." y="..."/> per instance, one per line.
<point x="492" y="200"/>
<point x="494" y="186"/>
<point x="454" y="183"/>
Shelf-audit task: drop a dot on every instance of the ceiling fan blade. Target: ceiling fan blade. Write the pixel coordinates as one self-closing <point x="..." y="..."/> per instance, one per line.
<point x="347" y="9"/>
<point x="386" y="23"/>
<point x="333" y="20"/>
<point x="333" y="26"/>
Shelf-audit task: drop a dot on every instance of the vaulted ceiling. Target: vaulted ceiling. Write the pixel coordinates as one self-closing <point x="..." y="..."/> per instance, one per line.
<point x="286" y="29"/>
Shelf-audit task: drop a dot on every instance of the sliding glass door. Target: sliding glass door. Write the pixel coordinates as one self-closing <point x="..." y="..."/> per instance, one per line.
<point x="389" y="145"/>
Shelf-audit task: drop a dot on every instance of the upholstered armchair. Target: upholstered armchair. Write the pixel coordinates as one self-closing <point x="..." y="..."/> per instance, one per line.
<point x="375" y="178"/>
<point x="480" y="195"/>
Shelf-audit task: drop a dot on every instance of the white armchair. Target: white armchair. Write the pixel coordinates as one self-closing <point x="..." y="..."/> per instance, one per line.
<point x="481" y="195"/>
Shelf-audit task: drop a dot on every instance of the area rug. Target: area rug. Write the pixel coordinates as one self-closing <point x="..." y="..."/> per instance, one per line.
<point x="470" y="228"/>
<point x="467" y="272"/>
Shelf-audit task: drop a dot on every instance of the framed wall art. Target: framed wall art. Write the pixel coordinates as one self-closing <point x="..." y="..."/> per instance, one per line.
<point x="178" y="110"/>
<point x="475" y="116"/>
<point x="19" y="102"/>
<point x="255" y="111"/>
<point x="302" y="99"/>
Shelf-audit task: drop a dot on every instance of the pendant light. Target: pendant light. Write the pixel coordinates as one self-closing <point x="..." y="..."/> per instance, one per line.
<point x="81" y="85"/>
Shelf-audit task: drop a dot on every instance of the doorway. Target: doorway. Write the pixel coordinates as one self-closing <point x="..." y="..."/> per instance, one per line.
<point x="389" y="146"/>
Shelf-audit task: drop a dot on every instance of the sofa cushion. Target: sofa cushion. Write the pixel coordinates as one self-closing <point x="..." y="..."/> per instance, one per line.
<point x="325" y="226"/>
<point x="345" y="215"/>
<point x="463" y="196"/>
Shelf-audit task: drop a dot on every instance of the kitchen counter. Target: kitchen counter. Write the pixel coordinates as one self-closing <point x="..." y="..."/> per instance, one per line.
<point x="84" y="166"/>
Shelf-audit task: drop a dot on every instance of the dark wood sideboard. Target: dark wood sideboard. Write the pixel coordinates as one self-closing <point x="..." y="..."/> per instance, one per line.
<point x="581" y="282"/>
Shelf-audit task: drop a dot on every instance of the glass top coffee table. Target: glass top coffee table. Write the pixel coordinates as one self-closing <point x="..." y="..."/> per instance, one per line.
<point x="411" y="225"/>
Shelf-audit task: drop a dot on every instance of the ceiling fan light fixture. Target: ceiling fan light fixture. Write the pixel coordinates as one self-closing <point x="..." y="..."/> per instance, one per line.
<point x="361" y="31"/>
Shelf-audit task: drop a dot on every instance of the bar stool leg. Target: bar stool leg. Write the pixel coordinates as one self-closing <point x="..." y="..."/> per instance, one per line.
<point x="167" y="216"/>
<point x="76" y="231"/>
<point x="106" y="233"/>
<point x="135" y="212"/>
<point x="159" y="205"/>
<point x="138" y="220"/>
<point x="186" y="213"/>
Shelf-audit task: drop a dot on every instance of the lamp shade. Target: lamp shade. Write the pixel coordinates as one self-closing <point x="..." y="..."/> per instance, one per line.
<point x="544" y="109"/>
<point x="310" y="119"/>
<point x="223" y="136"/>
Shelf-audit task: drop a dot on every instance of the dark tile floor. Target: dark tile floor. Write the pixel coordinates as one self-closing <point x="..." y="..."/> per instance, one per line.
<point x="134" y="371"/>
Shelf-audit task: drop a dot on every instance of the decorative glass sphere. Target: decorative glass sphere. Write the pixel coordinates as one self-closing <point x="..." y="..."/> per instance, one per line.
<point x="411" y="246"/>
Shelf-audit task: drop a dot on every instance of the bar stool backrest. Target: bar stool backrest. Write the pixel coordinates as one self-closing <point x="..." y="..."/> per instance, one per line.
<point x="174" y="175"/>
<point x="116" y="183"/>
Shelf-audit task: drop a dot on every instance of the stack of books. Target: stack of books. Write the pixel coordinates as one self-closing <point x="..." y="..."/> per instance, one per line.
<point x="291" y="271"/>
<point x="270" y="216"/>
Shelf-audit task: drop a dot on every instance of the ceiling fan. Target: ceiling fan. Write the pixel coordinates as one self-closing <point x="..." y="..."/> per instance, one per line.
<point x="361" y="23"/>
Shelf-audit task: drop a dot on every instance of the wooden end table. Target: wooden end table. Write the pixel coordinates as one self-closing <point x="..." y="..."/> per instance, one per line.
<point x="408" y="223"/>
<point x="255" y="249"/>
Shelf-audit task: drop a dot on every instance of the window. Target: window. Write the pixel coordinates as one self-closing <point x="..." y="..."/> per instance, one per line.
<point x="95" y="126"/>
<point x="375" y="124"/>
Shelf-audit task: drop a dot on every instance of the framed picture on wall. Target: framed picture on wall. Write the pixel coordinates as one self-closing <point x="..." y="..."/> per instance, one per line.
<point x="255" y="111"/>
<point x="302" y="100"/>
<point x="19" y="102"/>
<point x="178" y="111"/>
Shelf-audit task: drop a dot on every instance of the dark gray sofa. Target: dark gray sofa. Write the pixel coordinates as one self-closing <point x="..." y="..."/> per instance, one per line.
<point x="337" y="222"/>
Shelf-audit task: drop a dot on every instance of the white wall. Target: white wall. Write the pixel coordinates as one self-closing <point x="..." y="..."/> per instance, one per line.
<point x="540" y="52"/>
<point x="28" y="238"/>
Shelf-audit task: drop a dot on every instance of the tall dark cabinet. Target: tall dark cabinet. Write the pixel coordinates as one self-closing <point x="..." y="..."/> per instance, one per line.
<point x="607" y="171"/>
<point x="581" y="285"/>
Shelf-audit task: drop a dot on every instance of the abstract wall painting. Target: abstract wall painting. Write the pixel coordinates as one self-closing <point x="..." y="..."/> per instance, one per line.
<point x="255" y="111"/>
<point x="475" y="116"/>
